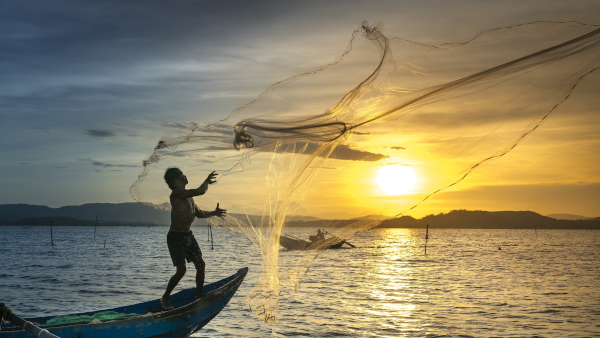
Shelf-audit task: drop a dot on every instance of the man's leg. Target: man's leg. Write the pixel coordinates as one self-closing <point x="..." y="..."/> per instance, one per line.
<point x="200" y="266"/>
<point x="172" y="284"/>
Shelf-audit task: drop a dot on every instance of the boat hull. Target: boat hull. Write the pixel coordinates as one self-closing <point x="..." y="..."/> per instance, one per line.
<point x="297" y="244"/>
<point x="188" y="316"/>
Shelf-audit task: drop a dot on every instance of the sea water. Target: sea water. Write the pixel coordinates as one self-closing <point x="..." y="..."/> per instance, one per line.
<point x="471" y="283"/>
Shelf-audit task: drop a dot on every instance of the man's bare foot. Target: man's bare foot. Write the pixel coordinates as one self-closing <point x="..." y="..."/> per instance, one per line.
<point x="165" y="303"/>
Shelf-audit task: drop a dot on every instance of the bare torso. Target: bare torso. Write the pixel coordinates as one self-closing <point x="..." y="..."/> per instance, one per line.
<point x="183" y="213"/>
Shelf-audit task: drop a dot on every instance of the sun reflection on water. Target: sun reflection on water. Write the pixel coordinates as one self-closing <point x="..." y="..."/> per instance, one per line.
<point x="393" y="279"/>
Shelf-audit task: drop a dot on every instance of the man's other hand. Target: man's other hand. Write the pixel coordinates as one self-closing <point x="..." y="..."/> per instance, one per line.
<point x="220" y="212"/>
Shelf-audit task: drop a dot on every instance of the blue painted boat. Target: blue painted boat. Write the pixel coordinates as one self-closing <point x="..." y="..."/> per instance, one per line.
<point x="189" y="316"/>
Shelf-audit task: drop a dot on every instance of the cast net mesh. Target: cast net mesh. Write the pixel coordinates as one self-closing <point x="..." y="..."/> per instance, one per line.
<point x="442" y="109"/>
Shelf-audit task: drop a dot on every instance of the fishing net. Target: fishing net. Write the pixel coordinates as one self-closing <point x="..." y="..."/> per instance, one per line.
<point x="315" y="139"/>
<point x="95" y="318"/>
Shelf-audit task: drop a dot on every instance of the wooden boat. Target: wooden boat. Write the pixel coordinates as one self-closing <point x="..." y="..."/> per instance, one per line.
<point x="188" y="316"/>
<point x="291" y="243"/>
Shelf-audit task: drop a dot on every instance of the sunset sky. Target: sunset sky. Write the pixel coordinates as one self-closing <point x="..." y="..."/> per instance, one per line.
<point x="88" y="88"/>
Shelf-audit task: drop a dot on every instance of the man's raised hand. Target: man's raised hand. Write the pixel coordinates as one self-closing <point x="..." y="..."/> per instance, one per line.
<point x="212" y="178"/>
<point x="220" y="212"/>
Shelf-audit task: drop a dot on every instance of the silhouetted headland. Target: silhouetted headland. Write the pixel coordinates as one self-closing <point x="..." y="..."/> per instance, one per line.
<point x="475" y="219"/>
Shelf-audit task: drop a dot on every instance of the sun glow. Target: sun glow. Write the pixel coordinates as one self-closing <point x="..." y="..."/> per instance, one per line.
<point x="396" y="179"/>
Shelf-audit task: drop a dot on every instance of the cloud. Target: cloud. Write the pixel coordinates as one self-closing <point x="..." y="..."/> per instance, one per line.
<point x="398" y="148"/>
<point x="341" y="152"/>
<point x="107" y="165"/>
<point x="344" y="152"/>
<point x="100" y="133"/>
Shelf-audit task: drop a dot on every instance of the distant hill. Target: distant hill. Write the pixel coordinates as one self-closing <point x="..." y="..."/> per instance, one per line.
<point x="568" y="216"/>
<point x="490" y="220"/>
<point x="372" y="217"/>
<point x="68" y="221"/>
<point x="119" y="212"/>
<point x="290" y="218"/>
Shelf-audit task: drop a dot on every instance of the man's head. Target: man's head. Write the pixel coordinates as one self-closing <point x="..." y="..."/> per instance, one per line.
<point x="175" y="178"/>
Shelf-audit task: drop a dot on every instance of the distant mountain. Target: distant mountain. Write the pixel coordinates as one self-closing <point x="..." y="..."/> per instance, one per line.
<point x="291" y="218"/>
<point x="490" y="220"/>
<point x="372" y="217"/>
<point x="121" y="212"/>
<point x="568" y="216"/>
<point x="68" y="221"/>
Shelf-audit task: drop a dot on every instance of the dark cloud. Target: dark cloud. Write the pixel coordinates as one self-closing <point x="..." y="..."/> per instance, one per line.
<point x="341" y="152"/>
<point x="344" y="152"/>
<point x="398" y="148"/>
<point x="107" y="165"/>
<point x="100" y="133"/>
<point x="69" y="38"/>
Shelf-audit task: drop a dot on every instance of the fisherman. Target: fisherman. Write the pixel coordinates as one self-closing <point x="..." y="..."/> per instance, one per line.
<point x="180" y="239"/>
<point x="320" y="235"/>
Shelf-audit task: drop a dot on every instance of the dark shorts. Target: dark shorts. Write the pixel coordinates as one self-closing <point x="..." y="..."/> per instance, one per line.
<point x="182" y="247"/>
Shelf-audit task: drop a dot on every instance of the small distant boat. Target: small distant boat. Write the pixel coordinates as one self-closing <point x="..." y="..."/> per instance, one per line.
<point x="188" y="316"/>
<point x="292" y="243"/>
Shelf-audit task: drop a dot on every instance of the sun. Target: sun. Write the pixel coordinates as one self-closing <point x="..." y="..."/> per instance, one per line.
<point x="396" y="179"/>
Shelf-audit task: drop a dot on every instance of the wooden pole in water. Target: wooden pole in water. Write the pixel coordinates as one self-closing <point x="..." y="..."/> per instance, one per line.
<point x="426" y="238"/>
<point x="95" y="227"/>
<point x="105" y="243"/>
<point x="212" y="239"/>
<point x="51" y="236"/>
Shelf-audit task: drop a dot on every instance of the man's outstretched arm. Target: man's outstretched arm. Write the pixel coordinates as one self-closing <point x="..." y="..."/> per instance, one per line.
<point x="206" y="214"/>
<point x="201" y="190"/>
